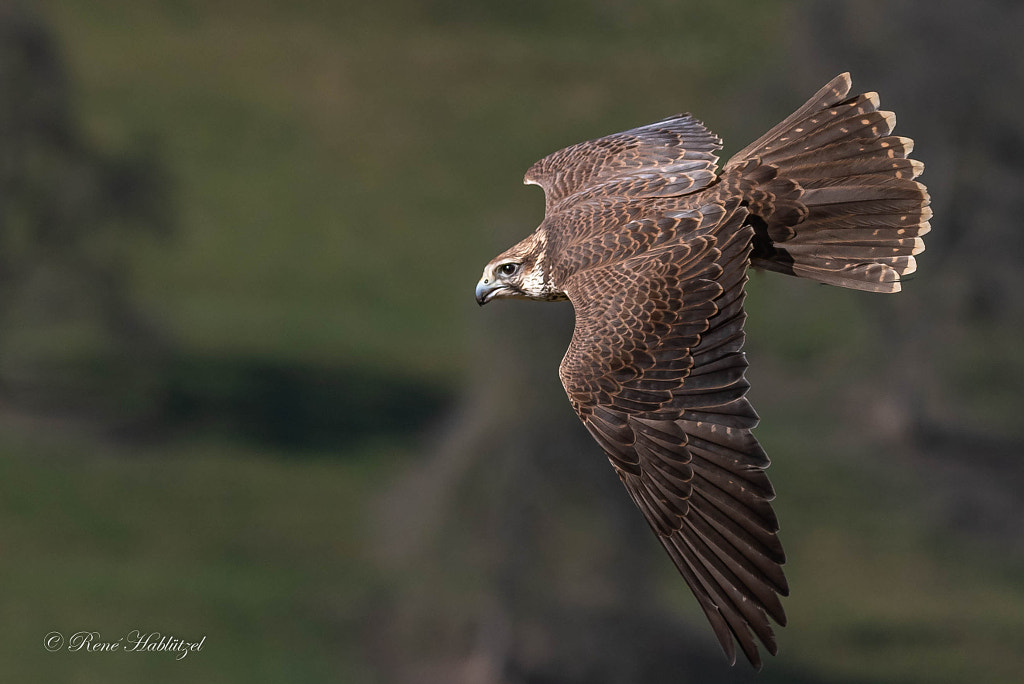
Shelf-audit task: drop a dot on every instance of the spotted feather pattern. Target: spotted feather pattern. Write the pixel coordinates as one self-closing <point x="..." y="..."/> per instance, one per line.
<point x="671" y="157"/>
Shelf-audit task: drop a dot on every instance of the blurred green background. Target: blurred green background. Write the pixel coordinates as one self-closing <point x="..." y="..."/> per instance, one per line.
<point x="245" y="391"/>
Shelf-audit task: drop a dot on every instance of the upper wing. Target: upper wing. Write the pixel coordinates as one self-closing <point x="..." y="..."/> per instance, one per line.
<point x="656" y="374"/>
<point x="675" y="156"/>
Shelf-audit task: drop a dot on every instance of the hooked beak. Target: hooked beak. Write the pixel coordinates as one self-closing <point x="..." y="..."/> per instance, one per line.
<point x="487" y="289"/>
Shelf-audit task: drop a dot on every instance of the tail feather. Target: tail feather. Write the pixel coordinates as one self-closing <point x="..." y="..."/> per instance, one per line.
<point x="862" y="250"/>
<point x="847" y="121"/>
<point x="862" y="171"/>
<point x="870" y="277"/>
<point x="832" y="193"/>
<point x="834" y="91"/>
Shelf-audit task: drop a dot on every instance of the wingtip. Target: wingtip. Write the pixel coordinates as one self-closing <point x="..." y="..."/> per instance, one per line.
<point x="841" y="84"/>
<point x="890" y="121"/>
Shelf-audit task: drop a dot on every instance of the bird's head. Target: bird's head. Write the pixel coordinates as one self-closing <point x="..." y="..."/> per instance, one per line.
<point x="518" y="273"/>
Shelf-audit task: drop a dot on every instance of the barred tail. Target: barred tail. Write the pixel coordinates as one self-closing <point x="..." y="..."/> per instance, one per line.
<point x="834" y="195"/>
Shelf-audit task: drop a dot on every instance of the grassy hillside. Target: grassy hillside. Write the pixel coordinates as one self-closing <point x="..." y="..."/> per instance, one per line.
<point x="341" y="173"/>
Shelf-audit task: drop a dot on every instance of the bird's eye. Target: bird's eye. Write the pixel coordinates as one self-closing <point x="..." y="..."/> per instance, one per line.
<point x="508" y="269"/>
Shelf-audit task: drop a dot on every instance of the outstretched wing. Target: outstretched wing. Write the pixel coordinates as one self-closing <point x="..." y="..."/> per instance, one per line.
<point x="656" y="374"/>
<point x="671" y="157"/>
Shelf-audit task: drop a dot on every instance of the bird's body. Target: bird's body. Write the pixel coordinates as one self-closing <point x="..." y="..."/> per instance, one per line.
<point x="652" y="246"/>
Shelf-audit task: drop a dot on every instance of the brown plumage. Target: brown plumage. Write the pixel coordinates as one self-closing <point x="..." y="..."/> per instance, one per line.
<point x="652" y="248"/>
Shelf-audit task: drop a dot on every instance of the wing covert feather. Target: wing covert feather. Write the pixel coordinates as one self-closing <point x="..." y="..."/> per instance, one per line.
<point x="671" y="157"/>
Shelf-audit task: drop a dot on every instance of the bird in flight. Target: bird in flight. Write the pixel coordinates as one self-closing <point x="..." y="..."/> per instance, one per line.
<point x="651" y="243"/>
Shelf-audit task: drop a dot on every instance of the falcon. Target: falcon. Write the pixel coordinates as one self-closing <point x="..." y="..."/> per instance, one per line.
<point x="651" y="243"/>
